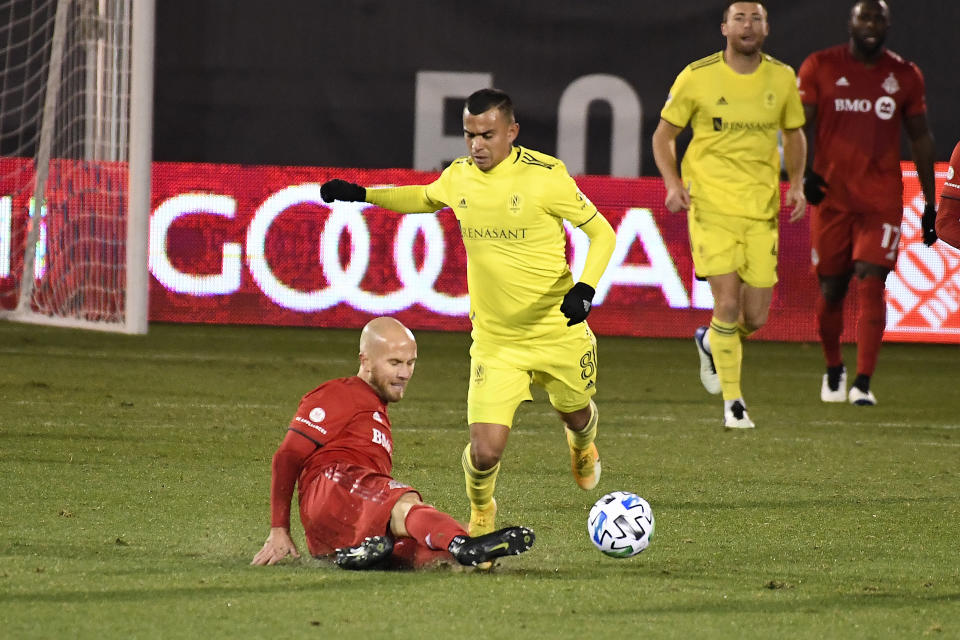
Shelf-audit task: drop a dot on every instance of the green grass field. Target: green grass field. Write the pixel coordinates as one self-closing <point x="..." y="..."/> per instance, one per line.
<point x="134" y="477"/>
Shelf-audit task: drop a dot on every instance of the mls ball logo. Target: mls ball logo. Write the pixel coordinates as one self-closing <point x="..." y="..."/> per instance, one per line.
<point x="317" y="414"/>
<point x="885" y="107"/>
<point x="584" y="200"/>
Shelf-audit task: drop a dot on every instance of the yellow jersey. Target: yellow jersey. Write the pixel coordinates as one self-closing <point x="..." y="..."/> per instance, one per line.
<point x="511" y="222"/>
<point x="732" y="165"/>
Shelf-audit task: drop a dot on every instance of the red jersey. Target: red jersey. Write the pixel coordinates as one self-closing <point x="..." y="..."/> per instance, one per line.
<point x="348" y="422"/>
<point x="951" y="188"/>
<point x="343" y="420"/>
<point x="948" y="213"/>
<point x="860" y="112"/>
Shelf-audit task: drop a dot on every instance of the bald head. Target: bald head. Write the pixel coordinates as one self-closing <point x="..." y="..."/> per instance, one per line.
<point x="382" y="331"/>
<point x="388" y="353"/>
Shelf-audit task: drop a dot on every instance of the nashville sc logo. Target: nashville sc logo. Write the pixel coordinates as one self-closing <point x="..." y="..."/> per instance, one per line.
<point x="516" y="204"/>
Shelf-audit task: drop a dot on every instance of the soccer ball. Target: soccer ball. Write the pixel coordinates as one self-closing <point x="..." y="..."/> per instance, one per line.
<point x="621" y="524"/>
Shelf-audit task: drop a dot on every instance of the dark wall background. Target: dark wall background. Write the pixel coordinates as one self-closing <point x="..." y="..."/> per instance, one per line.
<point x="332" y="83"/>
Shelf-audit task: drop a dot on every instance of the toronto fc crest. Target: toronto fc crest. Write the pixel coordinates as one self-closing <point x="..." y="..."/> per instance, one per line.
<point x="890" y="85"/>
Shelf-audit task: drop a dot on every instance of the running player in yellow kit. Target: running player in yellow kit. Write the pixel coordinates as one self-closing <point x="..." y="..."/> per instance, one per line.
<point x="528" y="315"/>
<point x="735" y="101"/>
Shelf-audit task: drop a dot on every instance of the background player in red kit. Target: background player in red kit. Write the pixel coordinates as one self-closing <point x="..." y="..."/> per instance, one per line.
<point x="339" y="451"/>
<point x="948" y="214"/>
<point x="856" y="97"/>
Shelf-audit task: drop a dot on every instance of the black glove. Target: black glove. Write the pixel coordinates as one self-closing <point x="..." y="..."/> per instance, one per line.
<point x="576" y="304"/>
<point x="928" y="223"/>
<point x="814" y="187"/>
<point x="342" y="190"/>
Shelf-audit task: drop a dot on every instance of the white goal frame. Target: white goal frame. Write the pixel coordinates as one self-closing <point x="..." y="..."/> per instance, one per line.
<point x="132" y="81"/>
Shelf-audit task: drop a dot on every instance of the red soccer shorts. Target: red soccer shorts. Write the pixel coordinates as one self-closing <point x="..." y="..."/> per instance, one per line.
<point x="344" y="504"/>
<point x="840" y="238"/>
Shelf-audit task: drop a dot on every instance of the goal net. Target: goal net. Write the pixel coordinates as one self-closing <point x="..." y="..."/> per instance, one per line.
<point x="76" y="89"/>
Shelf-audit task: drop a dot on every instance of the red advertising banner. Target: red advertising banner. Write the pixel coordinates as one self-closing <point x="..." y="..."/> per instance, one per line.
<point x="257" y="245"/>
<point x="238" y="244"/>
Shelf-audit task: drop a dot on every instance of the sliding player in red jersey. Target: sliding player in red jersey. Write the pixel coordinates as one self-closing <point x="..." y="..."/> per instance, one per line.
<point x="339" y="451"/>
<point x="856" y="98"/>
<point x="948" y="214"/>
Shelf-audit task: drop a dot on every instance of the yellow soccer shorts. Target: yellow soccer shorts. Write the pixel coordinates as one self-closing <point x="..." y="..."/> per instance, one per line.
<point x="501" y="374"/>
<point x="723" y="244"/>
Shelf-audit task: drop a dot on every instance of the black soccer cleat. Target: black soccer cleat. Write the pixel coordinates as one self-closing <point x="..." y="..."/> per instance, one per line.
<point x="368" y="554"/>
<point x="510" y="541"/>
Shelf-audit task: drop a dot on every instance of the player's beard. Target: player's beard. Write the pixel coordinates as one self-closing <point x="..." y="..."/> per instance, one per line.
<point x="748" y="49"/>
<point x="382" y="385"/>
<point x="866" y="49"/>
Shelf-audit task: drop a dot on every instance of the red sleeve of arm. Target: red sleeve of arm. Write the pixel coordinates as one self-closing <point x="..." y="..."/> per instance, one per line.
<point x="918" y="99"/>
<point x="807" y="81"/>
<point x="287" y="462"/>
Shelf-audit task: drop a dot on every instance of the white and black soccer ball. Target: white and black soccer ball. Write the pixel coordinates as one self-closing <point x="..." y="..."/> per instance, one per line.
<point x="621" y="524"/>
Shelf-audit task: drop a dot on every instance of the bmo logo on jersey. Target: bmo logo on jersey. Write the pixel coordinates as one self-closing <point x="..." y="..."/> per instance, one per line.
<point x="884" y="107"/>
<point x="380" y="438"/>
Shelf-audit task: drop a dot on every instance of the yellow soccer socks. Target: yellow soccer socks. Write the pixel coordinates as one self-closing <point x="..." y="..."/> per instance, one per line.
<point x="584" y="457"/>
<point x="480" y="487"/>
<point x="727" y="348"/>
<point x="744" y="332"/>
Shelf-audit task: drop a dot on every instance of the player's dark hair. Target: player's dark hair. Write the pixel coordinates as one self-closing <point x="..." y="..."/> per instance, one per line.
<point x="726" y="9"/>
<point x="486" y="99"/>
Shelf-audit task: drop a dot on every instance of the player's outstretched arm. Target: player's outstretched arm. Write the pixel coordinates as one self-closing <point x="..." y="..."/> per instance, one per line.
<point x="342" y="190"/>
<point x="278" y="546"/>
<point x="408" y="199"/>
<point x="795" y="159"/>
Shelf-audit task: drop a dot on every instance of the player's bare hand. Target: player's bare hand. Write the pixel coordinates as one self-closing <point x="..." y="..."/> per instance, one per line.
<point x="678" y="199"/>
<point x="795" y="198"/>
<point x="278" y="546"/>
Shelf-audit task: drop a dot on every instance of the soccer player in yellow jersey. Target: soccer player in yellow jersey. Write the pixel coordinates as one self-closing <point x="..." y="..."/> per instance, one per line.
<point x="527" y="313"/>
<point x="735" y="101"/>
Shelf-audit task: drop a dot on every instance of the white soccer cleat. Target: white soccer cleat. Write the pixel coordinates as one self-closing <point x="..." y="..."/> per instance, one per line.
<point x="708" y="372"/>
<point x="834" y="395"/>
<point x="735" y="416"/>
<point x="861" y="398"/>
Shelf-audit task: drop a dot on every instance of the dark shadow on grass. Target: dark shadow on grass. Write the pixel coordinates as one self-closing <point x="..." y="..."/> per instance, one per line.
<point x="819" y="503"/>
<point x="153" y="594"/>
<point x="841" y="602"/>
<point x="308" y="575"/>
<point x="691" y="604"/>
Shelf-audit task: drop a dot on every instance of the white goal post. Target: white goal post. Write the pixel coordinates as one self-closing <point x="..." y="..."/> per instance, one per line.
<point x="76" y="117"/>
